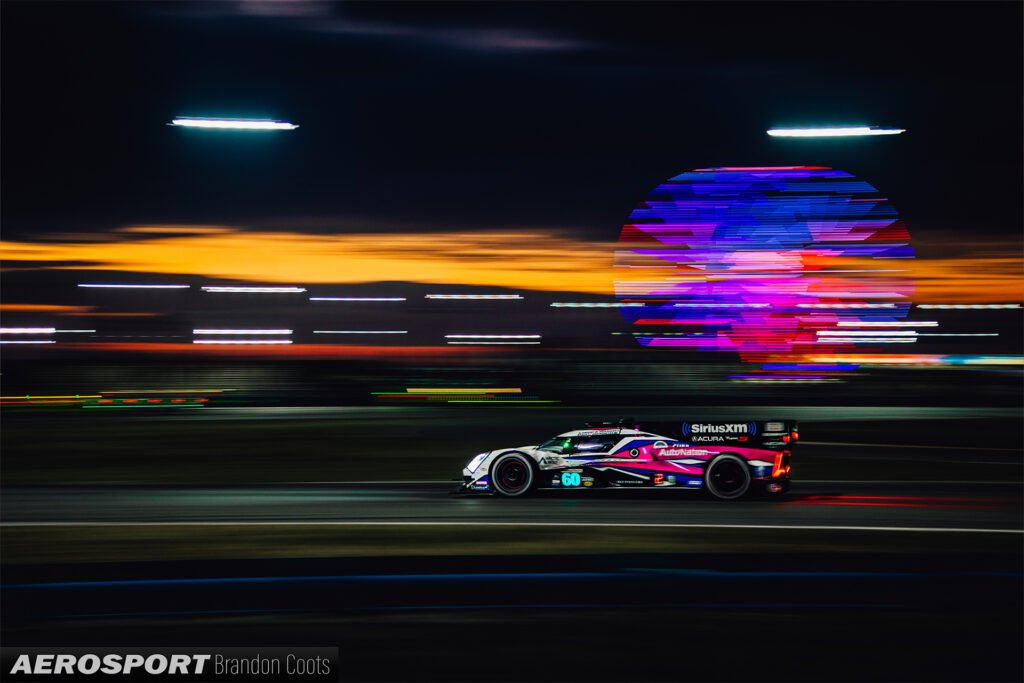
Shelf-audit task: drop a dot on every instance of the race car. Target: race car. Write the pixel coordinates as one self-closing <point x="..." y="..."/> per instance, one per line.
<point x="727" y="459"/>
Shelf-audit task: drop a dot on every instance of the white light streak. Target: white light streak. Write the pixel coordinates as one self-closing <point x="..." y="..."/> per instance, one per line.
<point x="360" y="332"/>
<point x="846" y="305"/>
<point x="27" y="341"/>
<point x="357" y="298"/>
<point x="232" y="124"/>
<point x="969" y="306"/>
<point x="702" y="305"/>
<point x="493" y="343"/>
<point x="855" y="295"/>
<point x="830" y="132"/>
<point x="492" y="336"/>
<point x="210" y="331"/>
<point x="568" y="304"/>
<point x="868" y="333"/>
<point x="241" y="341"/>
<point x="886" y="323"/>
<point x="866" y="340"/>
<point x="786" y="380"/>
<point x="129" y="286"/>
<point x="473" y="296"/>
<point x="27" y="330"/>
<point x="256" y="290"/>
<point x="74" y="331"/>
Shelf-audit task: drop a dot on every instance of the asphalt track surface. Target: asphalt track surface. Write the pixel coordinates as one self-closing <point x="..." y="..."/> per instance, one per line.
<point x="990" y="507"/>
<point x="938" y="598"/>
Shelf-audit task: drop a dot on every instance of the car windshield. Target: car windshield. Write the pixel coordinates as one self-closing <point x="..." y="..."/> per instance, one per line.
<point x="564" y="445"/>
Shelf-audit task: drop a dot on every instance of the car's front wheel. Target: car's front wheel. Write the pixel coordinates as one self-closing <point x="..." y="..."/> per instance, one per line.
<point x="727" y="477"/>
<point x="512" y="474"/>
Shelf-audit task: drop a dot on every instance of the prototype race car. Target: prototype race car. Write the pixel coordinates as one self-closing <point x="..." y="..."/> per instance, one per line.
<point x="727" y="459"/>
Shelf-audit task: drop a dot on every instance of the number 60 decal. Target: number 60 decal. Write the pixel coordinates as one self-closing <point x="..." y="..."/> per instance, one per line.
<point x="570" y="478"/>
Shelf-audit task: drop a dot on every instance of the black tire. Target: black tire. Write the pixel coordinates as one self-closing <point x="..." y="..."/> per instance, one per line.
<point x="727" y="477"/>
<point x="513" y="475"/>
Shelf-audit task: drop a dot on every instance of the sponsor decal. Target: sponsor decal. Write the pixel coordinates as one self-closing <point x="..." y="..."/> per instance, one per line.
<point x="712" y="439"/>
<point x="175" y="664"/>
<point x="774" y="427"/>
<point x="720" y="428"/>
<point x="660" y="444"/>
<point x="682" y="451"/>
<point x="628" y="482"/>
<point x="671" y="478"/>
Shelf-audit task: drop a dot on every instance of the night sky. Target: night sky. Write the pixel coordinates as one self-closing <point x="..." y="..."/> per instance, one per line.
<point x="469" y="146"/>
<point x="429" y="116"/>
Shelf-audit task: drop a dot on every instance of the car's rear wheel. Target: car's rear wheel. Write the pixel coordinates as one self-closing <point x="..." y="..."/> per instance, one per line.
<point x="512" y="474"/>
<point x="727" y="477"/>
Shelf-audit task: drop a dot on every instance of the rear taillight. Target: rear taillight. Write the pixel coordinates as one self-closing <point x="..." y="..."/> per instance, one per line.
<point x="794" y="435"/>
<point x="781" y="464"/>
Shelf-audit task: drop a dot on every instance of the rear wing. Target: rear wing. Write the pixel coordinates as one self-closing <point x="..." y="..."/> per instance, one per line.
<point x="768" y="434"/>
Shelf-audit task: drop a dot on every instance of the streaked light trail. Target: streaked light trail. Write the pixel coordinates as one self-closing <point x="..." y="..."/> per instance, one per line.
<point x="27" y="341"/>
<point x="208" y="331"/>
<point x="570" y="304"/>
<point x="919" y="359"/>
<point x="462" y="390"/>
<point x="492" y="343"/>
<point x="836" y="132"/>
<point x="168" y="391"/>
<point x="751" y="247"/>
<point x="241" y="341"/>
<point x="256" y="290"/>
<point x="722" y="305"/>
<point x="360" y="331"/>
<point x="473" y="296"/>
<point x="231" y="124"/>
<point x="846" y="305"/>
<point x="867" y="333"/>
<point x="357" y="298"/>
<point x="969" y="306"/>
<point x="492" y="336"/>
<point x="886" y="323"/>
<point x="130" y="286"/>
<point x="27" y="330"/>
<point x="31" y="397"/>
<point x="867" y="340"/>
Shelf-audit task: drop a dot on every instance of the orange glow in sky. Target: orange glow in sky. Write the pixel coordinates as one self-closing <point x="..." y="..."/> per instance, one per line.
<point x="46" y="308"/>
<point x="528" y="259"/>
<point x="521" y="259"/>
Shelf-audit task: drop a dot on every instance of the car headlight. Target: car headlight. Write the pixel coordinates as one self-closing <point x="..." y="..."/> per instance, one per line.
<point x="476" y="462"/>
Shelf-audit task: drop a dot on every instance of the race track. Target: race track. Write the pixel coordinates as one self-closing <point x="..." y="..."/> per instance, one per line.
<point x="991" y="506"/>
<point x="311" y="526"/>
